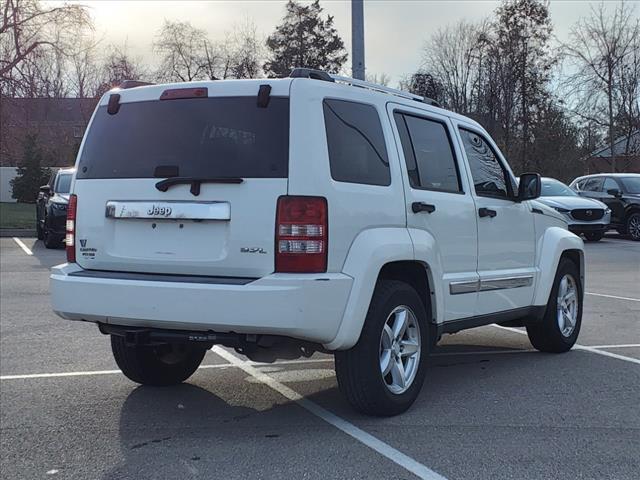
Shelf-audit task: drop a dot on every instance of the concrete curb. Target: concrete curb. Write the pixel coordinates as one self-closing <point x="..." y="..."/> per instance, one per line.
<point x="17" y="232"/>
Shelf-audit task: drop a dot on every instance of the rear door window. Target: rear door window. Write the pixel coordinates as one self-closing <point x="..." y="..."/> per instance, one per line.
<point x="357" y="152"/>
<point x="199" y="137"/>
<point x="431" y="163"/>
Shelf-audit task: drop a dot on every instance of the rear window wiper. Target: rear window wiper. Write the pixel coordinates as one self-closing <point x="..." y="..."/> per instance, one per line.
<point x="195" y="182"/>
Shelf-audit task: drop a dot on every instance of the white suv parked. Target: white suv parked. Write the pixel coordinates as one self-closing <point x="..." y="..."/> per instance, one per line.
<point x="311" y="213"/>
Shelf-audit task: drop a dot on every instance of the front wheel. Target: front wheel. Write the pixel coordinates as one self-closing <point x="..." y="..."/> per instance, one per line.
<point x="161" y="365"/>
<point x="593" y="236"/>
<point x="560" y="326"/>
<point x="633" y="226"/>
<point x="384" y="372"/>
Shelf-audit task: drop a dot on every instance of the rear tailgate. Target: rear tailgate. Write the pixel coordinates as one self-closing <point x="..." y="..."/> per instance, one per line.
<point x="227" y="163"/>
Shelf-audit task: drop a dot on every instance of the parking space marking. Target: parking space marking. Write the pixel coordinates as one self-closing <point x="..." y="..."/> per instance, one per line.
<point x="626" y="345"/>
<point x="399" y="458"/>
<point x="21" y="244"/>
<point x="613" y="296"/>
<point x="581" y="347"/>
<point x="114" y="372"/>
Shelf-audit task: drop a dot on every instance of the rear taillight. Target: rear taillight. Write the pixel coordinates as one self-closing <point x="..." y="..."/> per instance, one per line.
<point x="301" y="235"/>
<point x="70" y="238"/>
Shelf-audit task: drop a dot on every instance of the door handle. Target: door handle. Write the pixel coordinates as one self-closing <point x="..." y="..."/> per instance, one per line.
<point x="417" y="207"/>
<point x="487" y="212"/>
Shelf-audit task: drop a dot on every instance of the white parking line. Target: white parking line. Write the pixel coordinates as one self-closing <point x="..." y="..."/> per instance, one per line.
<point x="613" y="296"/>
<point x="626" y="345"/>
<point x="114" y="372"/>
<point x="580" y="347"/>
<point x="406" y="462"/>
<point x="22" y="246"/>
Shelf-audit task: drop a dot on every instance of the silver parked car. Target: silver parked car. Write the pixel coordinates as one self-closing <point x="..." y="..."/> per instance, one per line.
<point x="585" y="216"/>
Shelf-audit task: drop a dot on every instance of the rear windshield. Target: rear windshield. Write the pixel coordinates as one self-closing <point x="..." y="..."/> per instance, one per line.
<point x="199" y="137"/>
<point x="63" y="183"/>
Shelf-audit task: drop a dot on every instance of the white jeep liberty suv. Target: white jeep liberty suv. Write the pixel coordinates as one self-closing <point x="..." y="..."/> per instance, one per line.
<point x="310" y="213"/>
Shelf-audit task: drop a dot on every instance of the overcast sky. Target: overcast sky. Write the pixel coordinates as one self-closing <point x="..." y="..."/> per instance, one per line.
<point x="394" y="30"/>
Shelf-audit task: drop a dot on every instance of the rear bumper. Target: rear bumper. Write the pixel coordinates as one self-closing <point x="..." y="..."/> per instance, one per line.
<point x="308" y="307"/>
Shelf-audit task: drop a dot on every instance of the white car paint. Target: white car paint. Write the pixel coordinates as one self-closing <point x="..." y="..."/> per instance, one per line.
<point x="369" y="226"/>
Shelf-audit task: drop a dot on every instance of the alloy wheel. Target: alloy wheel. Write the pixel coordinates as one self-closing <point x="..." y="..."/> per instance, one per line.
<point x="400" y="349"/>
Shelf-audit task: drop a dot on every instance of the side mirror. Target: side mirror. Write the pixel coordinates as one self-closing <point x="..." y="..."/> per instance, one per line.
<point x="529" y="187"/>
<point x="45" y="189"/>
<point x="615" y="192"/>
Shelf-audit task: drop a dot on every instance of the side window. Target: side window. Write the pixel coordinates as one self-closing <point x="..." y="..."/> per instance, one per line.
<point x="357" y="152"/>
<point x="431" y="163"/>
<point x="609" y="184"/>
<point x="489" y="176"/>
<point x="593" y="185"/>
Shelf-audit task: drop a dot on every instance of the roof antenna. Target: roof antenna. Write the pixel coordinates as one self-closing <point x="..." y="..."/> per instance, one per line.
<point x="264" y="95"/>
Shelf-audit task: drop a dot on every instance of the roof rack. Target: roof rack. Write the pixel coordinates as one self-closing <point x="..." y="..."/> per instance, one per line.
<point x="328" y="77"/>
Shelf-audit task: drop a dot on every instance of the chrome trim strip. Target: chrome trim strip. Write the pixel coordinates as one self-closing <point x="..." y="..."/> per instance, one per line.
<point x="458" y="288"/>
<point x="506" y="282"/>
<point x="169" y="210"/>
<point x="501" y="283"/>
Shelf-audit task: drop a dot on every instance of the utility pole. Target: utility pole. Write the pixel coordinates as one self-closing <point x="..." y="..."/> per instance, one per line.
<point x="357" y="39"/>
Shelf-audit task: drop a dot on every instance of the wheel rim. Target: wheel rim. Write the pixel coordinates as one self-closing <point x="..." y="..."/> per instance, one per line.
<point x="634" y="227"/>
<point x="400" y="346"/>
<point x="567" y="306"/>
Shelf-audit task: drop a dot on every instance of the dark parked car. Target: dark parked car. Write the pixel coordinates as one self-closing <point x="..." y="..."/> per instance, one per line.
<point x="51" y="208"/>
<point x="621" y="193"/>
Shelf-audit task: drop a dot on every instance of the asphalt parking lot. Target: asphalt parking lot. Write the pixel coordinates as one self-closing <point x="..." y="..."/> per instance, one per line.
<point x="491" y="407"/>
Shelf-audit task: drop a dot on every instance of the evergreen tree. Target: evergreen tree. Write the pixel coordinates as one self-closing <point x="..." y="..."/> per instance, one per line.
<point x="304" y="39"/>
<point x="30" y="173"/>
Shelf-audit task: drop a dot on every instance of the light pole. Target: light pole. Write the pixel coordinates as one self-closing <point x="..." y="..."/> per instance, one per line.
<point x="357" y="39"/>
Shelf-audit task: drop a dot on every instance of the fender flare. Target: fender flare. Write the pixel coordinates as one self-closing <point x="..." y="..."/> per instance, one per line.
<point x="551" y="246"/>
<point x="369" y="252"/>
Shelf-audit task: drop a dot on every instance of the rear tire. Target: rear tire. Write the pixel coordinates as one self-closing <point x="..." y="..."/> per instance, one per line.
<point x="560" y="326"/>
<point x="593" y="236"/>
<point x="360" y="370"/>
<point x="163" y="365"/>
<point x="633" y="226"/>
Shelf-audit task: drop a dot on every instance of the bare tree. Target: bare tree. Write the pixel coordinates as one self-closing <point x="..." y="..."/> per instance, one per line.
<point x="32" y="35"/>
<point x="451" y="55"/>
<point x="118" y="66"/>
<point x="185" y="53"/>
<point x="83" y="73"/>
<point x="245" y="50"/>
<point x="599" y="48"/>
<point x="380" y="79"/>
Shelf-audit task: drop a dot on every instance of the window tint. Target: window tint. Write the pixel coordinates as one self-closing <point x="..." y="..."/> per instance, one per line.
<point x="201" y="137"/>
<point x="357" y="153"/>
<point x="592" y="185"/>
<point x="609" y="184"/>
<point x="489" y="177"/>
<point x="427" y="150"/>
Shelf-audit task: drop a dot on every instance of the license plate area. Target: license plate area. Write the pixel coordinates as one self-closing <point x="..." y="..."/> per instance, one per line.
<point x="168" y="210"/>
